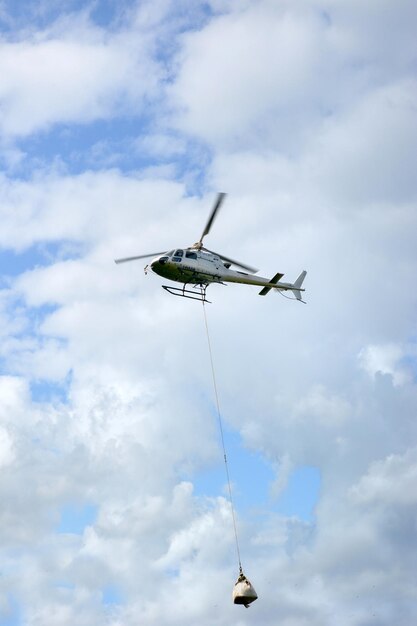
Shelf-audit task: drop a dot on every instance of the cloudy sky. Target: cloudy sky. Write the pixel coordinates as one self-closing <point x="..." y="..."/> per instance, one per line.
<point x="119" y="122"/>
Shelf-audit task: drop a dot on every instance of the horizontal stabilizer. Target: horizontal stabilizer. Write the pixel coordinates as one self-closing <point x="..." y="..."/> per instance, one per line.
<point x="273" y="281"/>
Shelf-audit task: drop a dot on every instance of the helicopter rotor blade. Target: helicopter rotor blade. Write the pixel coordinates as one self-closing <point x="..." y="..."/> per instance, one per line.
<point x="253" y="270"/>
<point x="219" y="200"/>
<point x="135" y="258"/>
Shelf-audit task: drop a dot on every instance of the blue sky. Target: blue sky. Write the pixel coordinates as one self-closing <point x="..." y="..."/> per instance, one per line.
<point x="252" y="477"/>
<point x="119" y="123"/>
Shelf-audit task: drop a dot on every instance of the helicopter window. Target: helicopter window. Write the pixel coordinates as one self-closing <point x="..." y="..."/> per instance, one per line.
<point x="191" y="255"/>
<point x="171" y="253"/>
<point x="179" y="252"/>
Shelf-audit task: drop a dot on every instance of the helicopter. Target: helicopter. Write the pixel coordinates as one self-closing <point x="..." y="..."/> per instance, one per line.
<point x="199" y="267"/>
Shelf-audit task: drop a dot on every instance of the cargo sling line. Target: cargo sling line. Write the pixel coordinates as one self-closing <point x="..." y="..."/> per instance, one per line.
<point x="219" y="417"/>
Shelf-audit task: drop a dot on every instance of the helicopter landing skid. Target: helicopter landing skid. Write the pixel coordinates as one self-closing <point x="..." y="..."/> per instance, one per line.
<point x="183" y="293"/>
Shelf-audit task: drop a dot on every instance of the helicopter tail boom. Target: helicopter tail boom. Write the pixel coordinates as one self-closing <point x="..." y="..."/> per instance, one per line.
<point x="295" y="287"/>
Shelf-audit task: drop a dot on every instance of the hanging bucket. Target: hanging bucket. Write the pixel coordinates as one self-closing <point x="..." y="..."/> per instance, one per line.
<point x="243" y="591"/>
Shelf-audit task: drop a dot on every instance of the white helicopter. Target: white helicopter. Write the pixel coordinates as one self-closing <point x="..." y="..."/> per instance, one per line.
<point x="200" y="267"/>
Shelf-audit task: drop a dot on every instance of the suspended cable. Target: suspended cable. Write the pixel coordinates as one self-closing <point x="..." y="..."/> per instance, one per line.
<point x="219" y="417"/>
<point x="288" y="297"/>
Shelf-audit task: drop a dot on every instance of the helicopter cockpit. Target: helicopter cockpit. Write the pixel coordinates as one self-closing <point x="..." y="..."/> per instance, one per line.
<point x="163" y="259"/>
<point x="178" y="255"/>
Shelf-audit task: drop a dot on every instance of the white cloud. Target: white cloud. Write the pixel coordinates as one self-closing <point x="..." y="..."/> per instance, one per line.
<point x="73" y="72"/>
<point x="391" y="481"/>
<point x="368" y="152"/>
<point x="54" y="207"/>
<point x="385" y="359"/>
<point x="160" y="145"/>
<point x="378" y="35"/>
<point x="244" y="68"/>
<point x="136" y="422"/>
<point x="6" y="448"/>
<point x="136" y="414"/>
<point x="14" y="396"/>
<point x="322" y="407"/>
<point x="265" y="77"/>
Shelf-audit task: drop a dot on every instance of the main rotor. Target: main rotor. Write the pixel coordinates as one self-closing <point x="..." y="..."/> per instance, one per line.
<point x="217" y="204"/>
<point x="199" y="244"/>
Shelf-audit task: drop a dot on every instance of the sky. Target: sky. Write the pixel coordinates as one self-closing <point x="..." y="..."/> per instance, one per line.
<point x="119" y="123"/>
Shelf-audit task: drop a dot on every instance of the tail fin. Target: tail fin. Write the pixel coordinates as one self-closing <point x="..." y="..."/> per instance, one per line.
<point x="297" y="286"/>
<point x="273" y="281"/>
